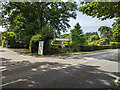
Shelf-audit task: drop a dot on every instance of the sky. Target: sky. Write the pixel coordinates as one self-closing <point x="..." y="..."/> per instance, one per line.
<point x="88" y="24"/>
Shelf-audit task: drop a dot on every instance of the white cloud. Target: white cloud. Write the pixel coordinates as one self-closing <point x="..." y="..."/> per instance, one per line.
<point x="88" y="23"/>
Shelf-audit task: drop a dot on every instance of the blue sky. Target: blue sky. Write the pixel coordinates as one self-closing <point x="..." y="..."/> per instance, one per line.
<point x="88" y="24"/>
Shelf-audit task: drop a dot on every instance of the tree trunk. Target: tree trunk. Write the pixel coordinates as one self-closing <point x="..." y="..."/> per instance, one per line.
<point x="38" y="16"/>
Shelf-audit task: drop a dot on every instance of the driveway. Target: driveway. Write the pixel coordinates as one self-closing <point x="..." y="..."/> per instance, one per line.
<point x="96" y="70"/>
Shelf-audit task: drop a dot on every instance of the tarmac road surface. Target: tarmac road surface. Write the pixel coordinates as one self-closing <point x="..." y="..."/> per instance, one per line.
<point x="96" y="70"/>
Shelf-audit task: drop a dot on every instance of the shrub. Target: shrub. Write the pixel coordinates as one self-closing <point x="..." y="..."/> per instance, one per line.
<point x="9" y="39"/>
<point x="34" y="42"/>
<point x="103" y="42"/>
<point x="56" y="50"/>
<point x="115" y="44"/>
<point x="4" y="43"/>
<point x="92" y="43"/>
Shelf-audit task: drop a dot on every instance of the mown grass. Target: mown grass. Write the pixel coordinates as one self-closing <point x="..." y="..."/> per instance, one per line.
<point x="62" y="54"/>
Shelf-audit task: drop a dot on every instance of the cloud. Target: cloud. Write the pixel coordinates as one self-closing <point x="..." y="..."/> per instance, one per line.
<point x="88" y="23"/>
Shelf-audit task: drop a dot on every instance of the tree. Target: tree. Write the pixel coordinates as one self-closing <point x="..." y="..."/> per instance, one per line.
<point x="77" y="35"/>
<point x="116" y="30"/>
<point x="105" y="33"/>
<point x="66" y="36"/>
<point x="57" y="14"/>
<point x="89" y="34"/>
<point x="101" y="10"/>
<point x="28" y="19"/>
<point x="94" y="38"/>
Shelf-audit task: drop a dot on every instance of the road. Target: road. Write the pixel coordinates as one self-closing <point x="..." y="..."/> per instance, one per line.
<point x="96" y="70"/>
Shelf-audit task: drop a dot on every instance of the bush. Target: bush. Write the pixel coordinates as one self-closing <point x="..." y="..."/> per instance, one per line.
<point x="8" y="39"/>
<point x="34" y="42"/>
<point x="115" y="44"/>
<point x="103" y="42"/>
<point x="4" y="43"/>
<point x="56" y="50"/>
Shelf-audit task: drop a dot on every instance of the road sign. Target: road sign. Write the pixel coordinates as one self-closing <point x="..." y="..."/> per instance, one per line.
<point x="40" y="48"/>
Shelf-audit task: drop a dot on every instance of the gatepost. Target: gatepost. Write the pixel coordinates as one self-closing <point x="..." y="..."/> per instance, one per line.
<point x="40" y="48"/>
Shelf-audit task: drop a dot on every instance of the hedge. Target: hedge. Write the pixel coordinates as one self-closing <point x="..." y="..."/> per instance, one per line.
<point x="34" y="42"/>
<point x="89" y="48"/>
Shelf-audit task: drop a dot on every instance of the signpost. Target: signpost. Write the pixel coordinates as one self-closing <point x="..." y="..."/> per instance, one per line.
<point x="40" y="48"/>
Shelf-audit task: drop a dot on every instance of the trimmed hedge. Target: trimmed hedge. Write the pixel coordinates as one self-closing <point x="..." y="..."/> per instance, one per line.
<point x="34" y="42"/>
<point x="88" y="48"/>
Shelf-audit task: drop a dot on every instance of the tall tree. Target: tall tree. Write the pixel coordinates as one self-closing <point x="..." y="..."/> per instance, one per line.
<point x="77" y="35"/>
<point x="56" y="14"/>
<point x="105" y="33"/>
<point x="116" y="30"/>
<point x="27" y="18"/>
<point x="89" y="34"/>
<point x="93" y="38"/>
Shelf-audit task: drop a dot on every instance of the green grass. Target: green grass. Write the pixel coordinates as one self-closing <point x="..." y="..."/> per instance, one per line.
<point x="25" y="50"/>
<point x="62" y="54"/>
<point x="80" y="52"/>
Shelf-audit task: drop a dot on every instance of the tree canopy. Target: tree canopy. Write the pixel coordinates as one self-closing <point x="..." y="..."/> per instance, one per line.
<point x="78" y="37"/>
<point x="89" y="34"/>
<point x="26" y="19"/>
<point x="37" y="15"/>
<point x="105" y="33"/>
<point x="116" y="30"/>
<point x="101" y="10"/>
<point x="94" y="37"/>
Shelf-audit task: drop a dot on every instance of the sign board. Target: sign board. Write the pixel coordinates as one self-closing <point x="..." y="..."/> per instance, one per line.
<point x="61" y="39"/>
<point x="40" y="48"/>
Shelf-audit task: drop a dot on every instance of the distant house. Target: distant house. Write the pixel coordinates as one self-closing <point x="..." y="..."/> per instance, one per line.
<point x="60" y="40"/>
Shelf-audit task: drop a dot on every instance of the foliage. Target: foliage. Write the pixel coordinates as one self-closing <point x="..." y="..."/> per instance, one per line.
<point x="77" y="35"/>
<point x="26" y="19"/>
<point x="94" y="37"/>
<point x="115" y="44"/>
<point x="35" y="16"/>
<point x="66" y="36"/>
<point x="116" y="30"/>
<point x="34" y="42"/>
<point x="4" y="43"/>
<point x="101" y="10"/>
<point x="102" y="42"/>
<point x="105" y="33"/>
<point x="98" y="42"/>
<point x="47" y="32"/>
<point x="92" y="43"/>
<point x="0" y="35"/>
<point x="55" y="50"/>
<point x="89" y="34"/>
<point x="8" y="39"/>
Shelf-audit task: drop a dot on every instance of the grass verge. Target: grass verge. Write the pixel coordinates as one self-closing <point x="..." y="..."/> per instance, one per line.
<point x="61" y="54"/>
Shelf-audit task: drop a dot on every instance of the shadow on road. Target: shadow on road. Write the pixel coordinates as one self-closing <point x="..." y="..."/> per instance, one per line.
<point x="53" y="75"/>
<point x="2" y="50"/>
<point x="20" y="52"/>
